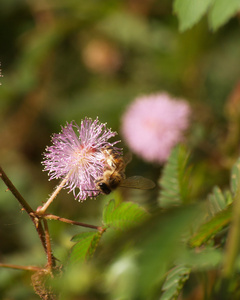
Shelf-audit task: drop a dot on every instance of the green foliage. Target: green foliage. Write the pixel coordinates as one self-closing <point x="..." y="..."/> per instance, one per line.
<point x="118" y="217"/>
<point x="219" y="213"/>
<point x="219" y="210"/>
<point x="202" y="259"/>
<point x="107" y="212"/>
<point x="174" y="180"/>
<point x="222" y="11"/>
<point x="161" y="243"/>
<point x="190" y="12"/>
<point x="209" y="229"/>
<point x="123" y="216"/>
<point x="218" y="201"/>
<point x="86" y="244"/>
<point x="52" y="74"/>
<point x="219" y="12"/>
<point x="206" y="258"/>
<point x="174" y="282"/>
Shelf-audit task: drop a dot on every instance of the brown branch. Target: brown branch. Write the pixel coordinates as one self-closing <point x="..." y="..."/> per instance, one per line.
<point x="15" y="192"/>
<point x="26" y="206"/>
<point x="50" y="257"/>
<point x="27" y="268"/>
<point x="57" y="218"/>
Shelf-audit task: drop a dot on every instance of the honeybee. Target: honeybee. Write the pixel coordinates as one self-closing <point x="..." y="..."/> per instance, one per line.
<point x="114" y="174"/>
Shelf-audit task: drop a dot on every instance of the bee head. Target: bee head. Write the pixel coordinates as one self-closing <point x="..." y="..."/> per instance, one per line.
<point x="103" y="187"/>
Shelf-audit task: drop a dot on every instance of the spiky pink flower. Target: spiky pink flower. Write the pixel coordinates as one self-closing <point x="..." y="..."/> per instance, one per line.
<point x="77" y="153"/>
<point x="154" y="124"/>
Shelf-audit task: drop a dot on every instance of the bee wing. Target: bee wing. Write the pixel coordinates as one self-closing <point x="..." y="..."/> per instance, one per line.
<point x="127" y="158"/>
<point x="138" y="182"/>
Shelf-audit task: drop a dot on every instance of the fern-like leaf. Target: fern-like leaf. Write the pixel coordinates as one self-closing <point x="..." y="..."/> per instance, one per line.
<point x="123" y="216"/>
<point x="173" y="182"/>
<point x="209" y="229"/>
<point x="218" y="201"/>
<point x="174" y="282"/>
<point x="219" y="210"/>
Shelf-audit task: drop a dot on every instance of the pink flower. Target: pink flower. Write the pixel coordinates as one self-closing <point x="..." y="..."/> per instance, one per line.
<point x="77" y="152"/>
<point x="154" y="124"/>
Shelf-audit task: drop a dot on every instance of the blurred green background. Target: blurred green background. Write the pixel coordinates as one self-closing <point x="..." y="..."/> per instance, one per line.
<point x="64" y="60"/>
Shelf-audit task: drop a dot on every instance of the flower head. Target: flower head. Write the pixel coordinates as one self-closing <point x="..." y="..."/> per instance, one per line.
<point x="154" y="124"/>
<point x="77" y="153"/>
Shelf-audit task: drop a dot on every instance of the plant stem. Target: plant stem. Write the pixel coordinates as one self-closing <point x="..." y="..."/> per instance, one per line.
<point x="15" y="192"/>
<point x="27" y="268"/>
<point x="50" y="257"/>
<point x="26" y="207"/>
<point x="57" y="218"/>
<point x="42" y="209"/>
<point x="232" y="246"/>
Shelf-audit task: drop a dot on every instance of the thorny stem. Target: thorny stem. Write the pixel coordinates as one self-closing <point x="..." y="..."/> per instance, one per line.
<point x="26" y="207"/>
<point x="42" y="209"/>
<point x="50" y="257"/>
<point x="15" y="192"/>
<point x="53" y="217"/>
<point x="36" y="218"/>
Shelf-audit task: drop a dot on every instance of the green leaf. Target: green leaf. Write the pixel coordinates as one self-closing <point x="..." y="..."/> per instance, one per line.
<point x="222" y="11"/>
<point x="189" y="12"/>
<point x="174" y="282"/>
<point x="161" y="244"/>
<point x="216" y="201"/>
<point x="85" y="247"/>
<point x="173" y="182"/>
<point x="235" y="177"/>
<point x="107" y="212"/>
<point x="206" y="258"/>
<point x="123" y="216"/>
<point x="212" y="227"/>
<point x="83" y="235"/>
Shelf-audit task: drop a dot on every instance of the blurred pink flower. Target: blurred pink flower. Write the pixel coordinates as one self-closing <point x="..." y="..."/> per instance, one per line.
<point x="77" y="152"/>
<point x="154" y="124"/>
